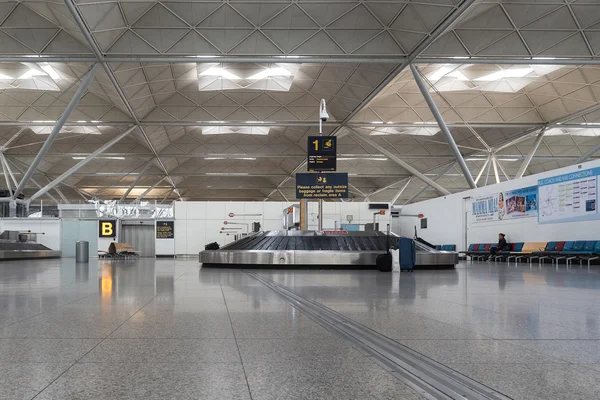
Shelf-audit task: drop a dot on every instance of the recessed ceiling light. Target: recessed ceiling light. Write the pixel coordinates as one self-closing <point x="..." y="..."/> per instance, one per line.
<point x="104" y="158"/>
<point x="217" y="71"/>
<point x="226" y="173"/>
<point x="506" y="73"/>
<point x="269" y="72"/>
<point x="439" y="74"/>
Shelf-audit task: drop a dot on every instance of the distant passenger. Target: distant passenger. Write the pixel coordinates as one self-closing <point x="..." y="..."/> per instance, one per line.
<point x="501" y="244"/>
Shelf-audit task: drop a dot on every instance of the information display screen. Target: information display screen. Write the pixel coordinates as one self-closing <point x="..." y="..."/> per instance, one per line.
<point x="165" y="229"/>
<point x="322" y="152"/>
<point x="322" y="186"/>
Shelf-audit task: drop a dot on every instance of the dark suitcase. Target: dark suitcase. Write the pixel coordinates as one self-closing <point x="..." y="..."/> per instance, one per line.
<point x="384" y="262"/>
<point x="212" y="246"/>
<point x="407" y="254"/>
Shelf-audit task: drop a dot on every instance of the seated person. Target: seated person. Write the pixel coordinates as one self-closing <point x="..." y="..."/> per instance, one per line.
<point x="502" y="245"/>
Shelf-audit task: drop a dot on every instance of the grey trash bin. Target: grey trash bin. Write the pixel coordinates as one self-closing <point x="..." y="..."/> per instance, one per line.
<point x="82" y="251"/>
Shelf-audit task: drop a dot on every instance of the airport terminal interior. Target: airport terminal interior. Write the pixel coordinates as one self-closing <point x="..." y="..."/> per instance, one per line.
<point x="299" y="199"/>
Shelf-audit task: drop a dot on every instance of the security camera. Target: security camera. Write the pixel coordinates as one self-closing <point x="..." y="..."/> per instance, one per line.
<point x="323" y="111"/>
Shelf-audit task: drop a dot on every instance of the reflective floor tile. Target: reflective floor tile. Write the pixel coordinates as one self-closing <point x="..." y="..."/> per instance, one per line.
<point x="149" y="381"/>
<point x="298" y="350"/>
<point x="575" y="351"/>
<point x="164" y="324"/>
<point x="25" y="380"/>
<point x="536" y="381"/>
<point x="333" y="380"/>
<point x="411" y="326"/>
<point x="165" y="350"/>
<point x="266" y="325"/>
<point x="449" y="352"/>
<point x="68" y="323"/>
<point x="45" y="350"/>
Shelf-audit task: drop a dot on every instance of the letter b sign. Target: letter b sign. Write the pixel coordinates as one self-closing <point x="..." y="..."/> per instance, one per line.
<point x="107" y="228"/>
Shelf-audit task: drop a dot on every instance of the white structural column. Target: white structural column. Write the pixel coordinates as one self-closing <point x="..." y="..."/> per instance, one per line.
<point x="7" y="169"/>
<point x="141" y="196"/>
<point x="587" y="155"/>
<point x="499" y="164"/>
<point x="85" y="30"/>
<point x="81" y="164"/>
<point x="85" y="82"/>
<point x="438" y="117"/>
<point x="444" y="172"/>
<point x="402" y="189"/>
<point x="495" y="169"/>
<point x="527" y="161"/>
<point x="137" y="179"/>
<point x="381" y="189"/>
<point x="400" y="162"/>
<point x="485" y="164"/>
<point x="36" y="183"/>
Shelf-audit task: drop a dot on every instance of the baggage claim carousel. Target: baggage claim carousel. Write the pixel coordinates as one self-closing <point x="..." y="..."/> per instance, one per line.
<point x="315" y="249"/>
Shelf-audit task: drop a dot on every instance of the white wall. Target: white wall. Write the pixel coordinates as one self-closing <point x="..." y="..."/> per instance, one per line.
<point x="49" y="226"/>
<point x="335" y="213"/>
<point x="199" y="223"/>
<point x="448" y="216"/>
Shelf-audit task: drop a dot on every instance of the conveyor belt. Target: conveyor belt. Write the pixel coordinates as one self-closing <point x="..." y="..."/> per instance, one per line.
<point x="352" y="243"/>
<point x="316" y="248"/>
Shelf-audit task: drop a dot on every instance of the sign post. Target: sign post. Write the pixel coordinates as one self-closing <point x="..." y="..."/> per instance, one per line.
<point x="322" y="153"/>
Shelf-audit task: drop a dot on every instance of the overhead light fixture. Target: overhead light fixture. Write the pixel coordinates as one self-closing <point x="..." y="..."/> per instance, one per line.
<point x="29" y="76"/>
<point x="227" y="173"/>
<point x="235" y="130"/>
<point x="362" y="158"/>
<point x="269" y="72"/>
<point x="117" y="173"/>
<point x="439" y="74"/>
<point x="83" y="130"/>
<point x="230" y="158"/>
<point x="506" y="73"/>
<point x="104" y="158"/>
<point x="216" y="71"/>
<point x="253" y="76"/>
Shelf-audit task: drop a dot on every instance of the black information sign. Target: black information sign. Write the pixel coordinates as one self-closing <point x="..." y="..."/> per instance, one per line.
<point x="322" y="186"/>
<point x="107" y="228"/>
<point x="165" y="229"/>
<point x="322" y="152"/>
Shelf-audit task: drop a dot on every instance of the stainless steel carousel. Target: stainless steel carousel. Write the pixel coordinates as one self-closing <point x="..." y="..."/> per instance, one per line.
<point x="314" y="248"/>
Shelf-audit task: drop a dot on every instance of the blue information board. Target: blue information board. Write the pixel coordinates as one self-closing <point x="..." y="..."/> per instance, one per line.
<point x="322" y="185"/>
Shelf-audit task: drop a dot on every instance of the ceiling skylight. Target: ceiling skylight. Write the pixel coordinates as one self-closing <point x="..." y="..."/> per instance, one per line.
<point x="29" y="76"/>
<point x="590" y="132"/>
<point x="235" y="130"/>
<point x="82" y="130"/>
<point x="506" y="73"/>
<point x="217" y="77"/>
<point x="470" y="77"/>
<point x="416" y="131"/>
<point x="219" y="72"/>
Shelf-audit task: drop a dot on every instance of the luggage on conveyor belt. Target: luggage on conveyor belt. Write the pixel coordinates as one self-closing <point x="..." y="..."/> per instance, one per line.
<point x="408" y="254"/>
<point x="212" y="246"/>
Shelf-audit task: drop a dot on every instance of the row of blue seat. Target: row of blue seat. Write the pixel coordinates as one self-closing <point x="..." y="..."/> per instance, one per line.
<point x="446" y="247"/>
<point x="582" y="250"/>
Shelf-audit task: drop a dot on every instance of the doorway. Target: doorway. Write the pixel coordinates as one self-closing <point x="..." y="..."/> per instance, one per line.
<point x="140" y="235"/>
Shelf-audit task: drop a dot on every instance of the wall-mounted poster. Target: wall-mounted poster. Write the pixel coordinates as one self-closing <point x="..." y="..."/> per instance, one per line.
<point x="569" y="197"/>
<point x="509" y="205"/>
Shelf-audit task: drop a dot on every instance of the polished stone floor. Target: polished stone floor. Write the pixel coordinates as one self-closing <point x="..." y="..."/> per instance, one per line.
<point x="167" y="329"/>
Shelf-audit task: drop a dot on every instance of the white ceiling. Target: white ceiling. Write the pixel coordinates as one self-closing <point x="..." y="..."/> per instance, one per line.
<point x="229" y="135"/>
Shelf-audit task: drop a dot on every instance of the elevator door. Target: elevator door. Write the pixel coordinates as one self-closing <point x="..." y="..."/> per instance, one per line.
<point x="141" y="237"/>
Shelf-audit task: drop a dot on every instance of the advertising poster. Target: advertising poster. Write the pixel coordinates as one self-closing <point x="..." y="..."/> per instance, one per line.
<point x="509" y="205"/>
<point x="569" y="197"/>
